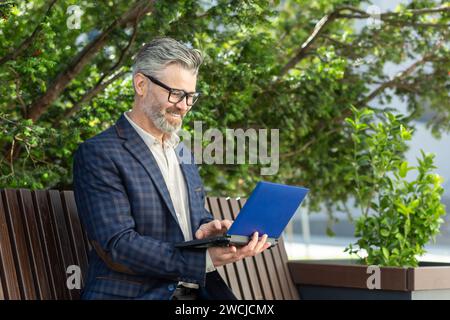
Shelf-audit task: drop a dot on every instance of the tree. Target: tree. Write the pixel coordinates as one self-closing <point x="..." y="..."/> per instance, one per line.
<point x="294" y="65"/>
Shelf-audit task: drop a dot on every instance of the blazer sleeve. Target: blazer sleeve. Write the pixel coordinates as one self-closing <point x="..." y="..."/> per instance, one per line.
<point x="207" y="216"/>
<point x="105" y="212"/>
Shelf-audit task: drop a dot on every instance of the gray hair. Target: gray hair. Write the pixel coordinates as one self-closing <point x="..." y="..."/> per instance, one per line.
<point x="161" y="52"/>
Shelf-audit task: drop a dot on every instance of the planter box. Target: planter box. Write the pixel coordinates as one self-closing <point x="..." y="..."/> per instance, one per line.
<point x="347" y="279"/>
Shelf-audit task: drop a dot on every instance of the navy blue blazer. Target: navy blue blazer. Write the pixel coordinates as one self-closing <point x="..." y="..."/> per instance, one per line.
<point x="126" y="210"/>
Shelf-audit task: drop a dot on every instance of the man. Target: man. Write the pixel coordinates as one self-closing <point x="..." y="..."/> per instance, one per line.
<point x="137" y="199"/>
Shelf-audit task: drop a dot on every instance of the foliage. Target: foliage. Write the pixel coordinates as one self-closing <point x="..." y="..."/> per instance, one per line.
<point x="269" y="64"/>
<point x="399" y="215"/>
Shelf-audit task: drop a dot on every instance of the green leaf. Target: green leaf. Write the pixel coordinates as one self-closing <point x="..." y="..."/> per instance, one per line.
<point x="385" y="252"/>
<point x="384" y="232"/>
<point x="403" y="170"/>
<point x="405" y="134"/>
<point x="414" y="204"/>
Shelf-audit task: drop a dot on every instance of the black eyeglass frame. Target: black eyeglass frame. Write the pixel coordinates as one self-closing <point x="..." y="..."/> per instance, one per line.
<point x="172" y="90"/>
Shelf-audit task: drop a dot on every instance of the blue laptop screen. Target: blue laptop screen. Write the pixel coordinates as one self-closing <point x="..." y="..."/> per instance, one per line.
<point x="268" y="209"/>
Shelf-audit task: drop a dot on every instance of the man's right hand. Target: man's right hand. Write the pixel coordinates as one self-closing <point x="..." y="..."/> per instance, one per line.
<point x="224" y="255"/>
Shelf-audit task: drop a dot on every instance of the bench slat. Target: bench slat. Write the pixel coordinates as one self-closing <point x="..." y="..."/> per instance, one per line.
<point x="39" y="268"/>
<point x="229" y="268"/>
<point x="249" y="262"/>
<point x="244" y="281"/>
<point x="2" y="296"/>
<point x="62" y="236"/>
<point x="76" y="233"/>
<point x="51" y="245"/>
<point x="282" y="280"/>
<point x="284" y="258"/>
<point x="8" y="276"/>
<point x="263" y="275"/>
<point x="19" y="244"/>
<point x="20" y="249"/>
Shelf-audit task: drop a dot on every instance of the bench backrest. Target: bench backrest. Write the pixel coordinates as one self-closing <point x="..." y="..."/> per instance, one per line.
<point x="41" y="236"/>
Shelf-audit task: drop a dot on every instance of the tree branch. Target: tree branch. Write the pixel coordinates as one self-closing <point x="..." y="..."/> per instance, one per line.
<point x="400" y="76"/>
<point x="299" y="151"/>
<point x="391" y="83"/>
<point x="301" y="53"/>
<point x="100" y="86"/>
<point x="40" y="105"/>
<point x="419" y="24"/>
<point x="18" y="82"/>
<point x="88" y="96"/>
<point x="28" y="41"/>
<point x="361" y="14"/>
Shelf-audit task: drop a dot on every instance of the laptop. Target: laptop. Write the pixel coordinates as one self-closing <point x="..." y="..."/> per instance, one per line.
<point x="268" y="210"/>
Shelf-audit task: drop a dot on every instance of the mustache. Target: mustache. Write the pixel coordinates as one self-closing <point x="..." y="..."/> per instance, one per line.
<point x="175" y="111"/>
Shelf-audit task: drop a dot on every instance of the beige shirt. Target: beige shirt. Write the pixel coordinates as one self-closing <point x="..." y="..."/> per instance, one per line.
<point x="169" y="166"/>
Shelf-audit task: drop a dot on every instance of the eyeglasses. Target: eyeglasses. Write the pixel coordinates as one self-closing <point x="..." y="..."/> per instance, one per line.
<point x="176" y="95"/>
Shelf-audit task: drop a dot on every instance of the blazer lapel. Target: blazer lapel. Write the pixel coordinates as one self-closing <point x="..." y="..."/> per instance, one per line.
<point x="186" y="168"/>
<point x="137" y="147"/>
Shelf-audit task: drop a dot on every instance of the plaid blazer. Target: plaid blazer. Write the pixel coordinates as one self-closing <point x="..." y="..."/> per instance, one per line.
<point x="126" y="210"/>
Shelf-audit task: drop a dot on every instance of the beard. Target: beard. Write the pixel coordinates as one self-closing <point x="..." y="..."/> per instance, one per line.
<point x="157" y="114"/>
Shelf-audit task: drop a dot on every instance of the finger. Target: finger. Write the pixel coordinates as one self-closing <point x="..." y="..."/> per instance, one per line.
<point x="199" y="234"/>
<point x="207" y="229"/>
<point x="216" y="224"/>
<point x="202" y="232"/>
<point x="212" y="227"/>
<point x="226" y="223"/>
<point x="261" y="243"/>
<point x="231" y="256"/>
<point x="224" y="226"/>
<point x="248" y="249"/>
<point x="226" y="250"/>
<point x="251" y="245"/>
<point x="227" y="254"/>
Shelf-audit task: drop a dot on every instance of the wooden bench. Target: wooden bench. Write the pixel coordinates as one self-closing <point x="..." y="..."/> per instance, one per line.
<point x="41" y="235"/>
